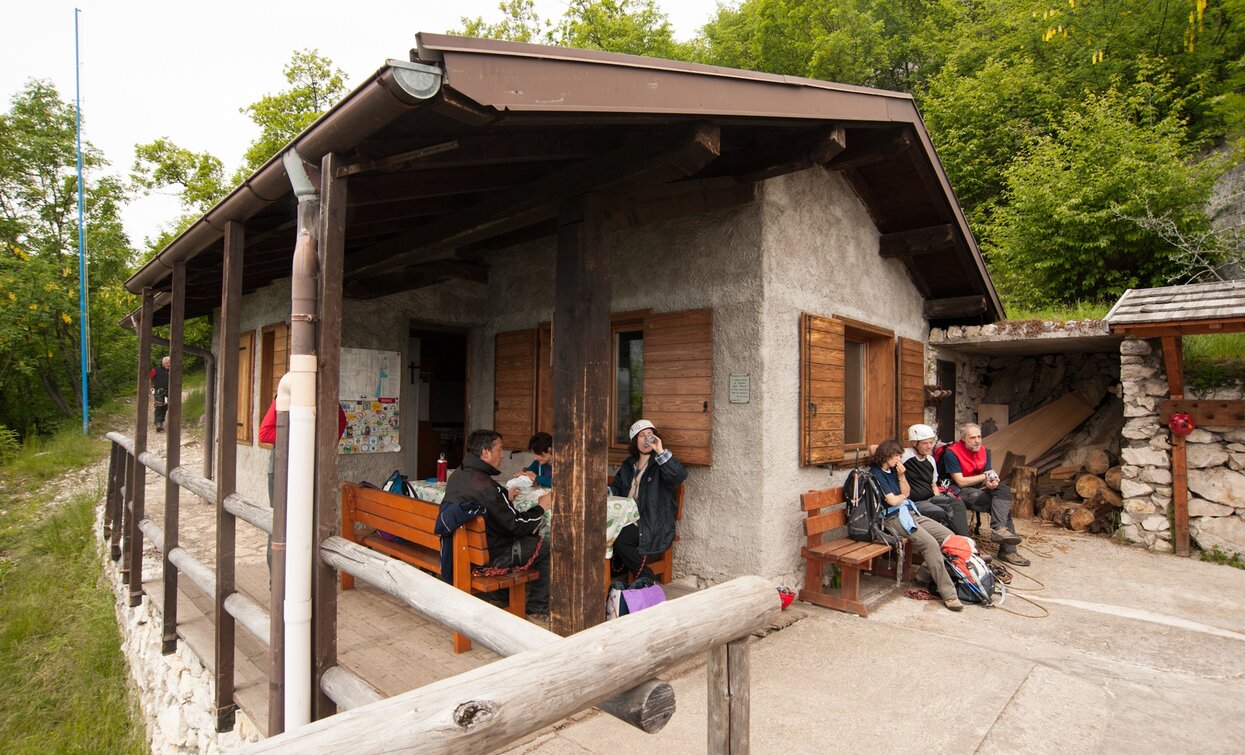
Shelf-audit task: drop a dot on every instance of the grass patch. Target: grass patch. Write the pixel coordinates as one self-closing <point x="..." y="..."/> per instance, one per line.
<point x="1218" y="556"/>
<point x="1082" y="310"/>
<point x="1212" y="361"/>
<point x="62" y="677"/>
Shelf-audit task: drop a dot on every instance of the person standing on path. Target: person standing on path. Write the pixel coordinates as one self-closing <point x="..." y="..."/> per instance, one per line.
<point x="159" y="377"/>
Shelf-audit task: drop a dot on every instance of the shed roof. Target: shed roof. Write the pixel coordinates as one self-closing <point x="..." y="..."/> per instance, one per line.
<point x="471" y="146"/>
<point x="1187" y="309"/>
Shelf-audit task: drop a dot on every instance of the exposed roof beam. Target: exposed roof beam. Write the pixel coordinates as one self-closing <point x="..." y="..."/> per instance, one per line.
<point x="644" y="162"/>
<point x="395" y="162"/>
<point x="953" y="307"/>
<point x="786" y="154"/>
<point x="417" y="276"/>
<point x="917" y="241"/>
<point x="868" y="154"/>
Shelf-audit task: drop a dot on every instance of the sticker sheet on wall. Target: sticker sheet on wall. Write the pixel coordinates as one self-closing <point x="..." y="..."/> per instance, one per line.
<point x="370" y="382"/>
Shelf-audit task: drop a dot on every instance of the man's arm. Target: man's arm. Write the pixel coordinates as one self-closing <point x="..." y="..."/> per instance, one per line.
<point x="954" y="471"/>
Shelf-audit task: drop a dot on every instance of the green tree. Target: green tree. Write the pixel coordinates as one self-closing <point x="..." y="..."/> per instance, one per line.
<point x="636" y="27"/>
<point x="315" y="86"/>
<point x="1066" y="234"/>
<point x="519" y="23"/>
<point x="39" y="329"/>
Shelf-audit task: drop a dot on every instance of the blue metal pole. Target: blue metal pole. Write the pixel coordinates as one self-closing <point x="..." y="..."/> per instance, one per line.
<point x="82" y="316"/>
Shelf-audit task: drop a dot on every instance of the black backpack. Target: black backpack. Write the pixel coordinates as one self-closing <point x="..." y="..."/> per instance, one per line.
<point x="865" y="504"/>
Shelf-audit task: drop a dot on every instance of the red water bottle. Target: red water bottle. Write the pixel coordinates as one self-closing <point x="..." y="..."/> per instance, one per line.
<point x="442" y="468"/>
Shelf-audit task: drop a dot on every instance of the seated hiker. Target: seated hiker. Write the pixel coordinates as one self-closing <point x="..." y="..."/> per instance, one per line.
<point x="967" y="463"/>
<point x="650" y="476"/>
<point x="540" y="471"/>
<point x="923" y="479"/>
<point x="903" y="520"/>
<point x="513" y="542"/>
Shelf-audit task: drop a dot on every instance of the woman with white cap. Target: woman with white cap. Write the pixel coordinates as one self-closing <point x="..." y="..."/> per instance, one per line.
<point x="650" y="475"/>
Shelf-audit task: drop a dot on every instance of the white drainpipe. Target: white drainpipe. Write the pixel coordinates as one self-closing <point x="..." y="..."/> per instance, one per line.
<point x="300" y="495"/>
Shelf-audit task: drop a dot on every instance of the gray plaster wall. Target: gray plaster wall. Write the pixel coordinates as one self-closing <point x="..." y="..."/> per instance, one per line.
<point x="382" y="323"/>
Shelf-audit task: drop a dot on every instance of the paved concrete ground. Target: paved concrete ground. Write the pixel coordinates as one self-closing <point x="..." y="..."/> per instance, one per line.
<point x="1140" y="653"/>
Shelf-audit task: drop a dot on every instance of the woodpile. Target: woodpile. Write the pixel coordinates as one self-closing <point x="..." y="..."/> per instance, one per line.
<point x="1083" y="497"/>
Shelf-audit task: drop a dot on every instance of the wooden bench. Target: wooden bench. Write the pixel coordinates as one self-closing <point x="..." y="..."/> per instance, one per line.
<point x="824" y="514"/>
<point x="662" y="568"/>
<point x="413" y="520"/>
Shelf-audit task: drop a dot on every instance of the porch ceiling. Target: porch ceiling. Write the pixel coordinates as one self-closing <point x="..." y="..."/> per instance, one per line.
<point x="437" y="184"/>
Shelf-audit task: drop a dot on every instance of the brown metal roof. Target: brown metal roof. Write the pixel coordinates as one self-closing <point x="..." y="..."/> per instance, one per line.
<point x="466" y="149"/>
<point x="1217" y="307"/>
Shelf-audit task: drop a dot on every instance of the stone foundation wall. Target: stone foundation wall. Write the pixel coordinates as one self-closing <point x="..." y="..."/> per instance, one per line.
<point x="174" y="691"/>
<point x="1216" y="463"/>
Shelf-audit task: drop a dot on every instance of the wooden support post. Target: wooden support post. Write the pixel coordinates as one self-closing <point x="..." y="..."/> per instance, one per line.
<point x="122" y="517"/>
<point x="173" y="454"/>
<point x="1173" y="362"/>
<point x="134" y="537"/>
<point x="210" y="386"/>
<point x="728" y="675"/>
<point x="331" y="251"/>
<point x="226" y="472"/>
<point x="1024" y="490"/>
<point x="581" y="359"/>
<point x="112" y="511"/>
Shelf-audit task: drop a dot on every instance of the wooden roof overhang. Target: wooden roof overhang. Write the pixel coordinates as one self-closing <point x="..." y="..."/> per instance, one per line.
<point x="505" y="132"/>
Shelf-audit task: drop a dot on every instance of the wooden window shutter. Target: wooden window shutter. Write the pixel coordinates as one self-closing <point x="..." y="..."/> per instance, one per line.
<point x="273" y="364"/>
<point x="514" y="386"/>
<point x="246" y="385"/>
<point x="678" y="381"/>
<point x="544" y="378"/>
<point x="821" y="390"/>
<point x="911" y="355"/>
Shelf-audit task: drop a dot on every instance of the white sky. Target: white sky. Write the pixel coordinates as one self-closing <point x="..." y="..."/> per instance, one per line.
<point x="183" y="70"/>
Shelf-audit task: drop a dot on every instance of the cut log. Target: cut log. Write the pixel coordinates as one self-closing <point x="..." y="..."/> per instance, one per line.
<point x="1099" y="461"/>
<point x="1090" y="486"/>
<point x="1024" y="490"/>
<point x="1074" y="516"/>
<point x="1064" y="473"/>
<point x="1112" y="477"/>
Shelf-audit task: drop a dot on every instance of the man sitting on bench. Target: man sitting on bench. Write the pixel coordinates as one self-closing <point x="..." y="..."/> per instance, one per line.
<point x="513" y="542"/>
<point x="918" y="459"/>
<point x="967" y="463"/>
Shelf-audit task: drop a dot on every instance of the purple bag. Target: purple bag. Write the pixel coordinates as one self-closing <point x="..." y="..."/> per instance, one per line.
<point x="623" y="601"/>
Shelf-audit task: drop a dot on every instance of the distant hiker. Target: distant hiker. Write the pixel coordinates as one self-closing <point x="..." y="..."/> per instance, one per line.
<point x="159" y="377"/>
<point x="967" y="463"/>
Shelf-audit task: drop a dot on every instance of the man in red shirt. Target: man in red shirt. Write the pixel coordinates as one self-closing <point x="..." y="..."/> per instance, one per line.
<point x="967" y="463"/>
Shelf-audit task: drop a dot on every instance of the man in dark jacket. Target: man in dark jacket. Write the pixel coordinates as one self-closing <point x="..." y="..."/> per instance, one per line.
<point x="512" y="535"/>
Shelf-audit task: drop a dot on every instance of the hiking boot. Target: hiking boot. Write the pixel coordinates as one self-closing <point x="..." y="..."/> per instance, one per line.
<point x="1004" y="537"/>
<point x="1013" y="558"/>
<point x="954" y="604"/>
<point x="923" y="578"/>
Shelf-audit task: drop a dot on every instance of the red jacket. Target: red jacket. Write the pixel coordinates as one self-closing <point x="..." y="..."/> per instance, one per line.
<point x="268" y="427"/>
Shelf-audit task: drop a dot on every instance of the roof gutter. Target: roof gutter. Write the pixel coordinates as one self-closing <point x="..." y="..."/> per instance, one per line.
<point x="387" y="94"/>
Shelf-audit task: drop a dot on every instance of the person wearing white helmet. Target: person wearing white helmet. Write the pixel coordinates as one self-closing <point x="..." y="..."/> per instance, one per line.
<point x="650" y="475"/>
<point x="918" y="459"/>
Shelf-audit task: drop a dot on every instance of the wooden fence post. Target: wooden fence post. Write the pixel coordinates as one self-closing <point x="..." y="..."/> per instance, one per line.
<point x="728" y="677"/>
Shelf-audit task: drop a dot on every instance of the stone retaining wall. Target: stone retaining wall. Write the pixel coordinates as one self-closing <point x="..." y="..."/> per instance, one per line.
<point x="174" y="691"/>
<point x="1216" y="463"/>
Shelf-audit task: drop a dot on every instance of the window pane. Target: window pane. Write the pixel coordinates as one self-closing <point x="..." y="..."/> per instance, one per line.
<point x="628" y="383"/>
<point x="854" y="392"/>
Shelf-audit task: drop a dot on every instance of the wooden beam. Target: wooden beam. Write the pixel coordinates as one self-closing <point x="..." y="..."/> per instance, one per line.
<point x="787" y="154"/>
<point x="1183" y="328"/>
<point x="955" y="306"/>
<point x="581" y="383"/>
<point x="729" y="676"/>
<point x="395" y="162"/>
<point x="1218" y="413"/>
<point x="227" y="471"/>
<point x="331" y="252"/>
<point x="637" y="163"/>
<point x="870" y="154"/>
<point x="917" y="241"/>
<point x="138" y="492"/>
<point x="1173" y="363"/>
<point x="417" y="276"/>
<point x="1180" y="494"/>
<point x="682" y="205"/>
<point x="173" y="455"/>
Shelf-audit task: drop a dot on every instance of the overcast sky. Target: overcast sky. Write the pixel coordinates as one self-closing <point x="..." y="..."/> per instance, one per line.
<point x="183" y="70"/>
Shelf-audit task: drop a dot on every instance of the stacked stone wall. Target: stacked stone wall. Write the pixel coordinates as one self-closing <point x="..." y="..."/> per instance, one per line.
<point x="1215" y="456"/>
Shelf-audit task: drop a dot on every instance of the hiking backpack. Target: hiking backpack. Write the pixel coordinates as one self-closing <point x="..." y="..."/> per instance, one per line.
<point x="973" y="579"/>
<point x="865" y="504"/>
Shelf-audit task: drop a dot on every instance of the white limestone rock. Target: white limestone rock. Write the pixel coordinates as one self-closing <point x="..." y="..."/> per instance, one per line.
<point x="1202" y="456"/>
<point x="1138" y="508"/>
<point x="1135" y="347"/>
<point x="1226" y="532"/>
<point x="1134" y="489"/>
<point x="1155" y="523"/>
<point x="1157" y="388"/>
<point x="1219" y="485"/>
<point x="1136" y="372"/>
<point x="1236" y="461"/>
<point x="1130" y="532"/>
<point x="1235" y="435"/>
<point x="1158" y="475"/>
<point x="1145" y="457"/>
<point x="1201" y="436"/>
<point x="1161" y="545"/>
<point x="1160" y="442"/>
<point x="1199" y="507"/>
<point x="1141" y="428"/>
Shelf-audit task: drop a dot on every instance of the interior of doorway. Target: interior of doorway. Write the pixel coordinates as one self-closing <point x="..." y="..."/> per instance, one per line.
<point x="946" y="405"/>
<point x="437" y="375"/>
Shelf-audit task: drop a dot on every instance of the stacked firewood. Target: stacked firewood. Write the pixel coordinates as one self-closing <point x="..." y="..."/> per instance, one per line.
<point x="1083" y="497"/>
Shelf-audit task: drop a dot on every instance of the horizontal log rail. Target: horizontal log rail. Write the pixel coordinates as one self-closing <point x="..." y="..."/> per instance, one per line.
<point x="489" y="707"/>
<point x="348" y="690"/>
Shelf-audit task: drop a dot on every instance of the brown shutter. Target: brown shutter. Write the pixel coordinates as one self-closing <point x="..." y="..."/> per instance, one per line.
<point x="911" y="385"/>
<point x="246" y="385"/>
<point x="544" y="378"/>
<point x="514" y="386"/>
<point x="821" y="390"/>
<point x="678" y="382"/>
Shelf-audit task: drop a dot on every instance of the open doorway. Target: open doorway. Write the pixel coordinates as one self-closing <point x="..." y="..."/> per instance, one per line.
<point x="946" y="405"/>
<point x="437" y="376"/>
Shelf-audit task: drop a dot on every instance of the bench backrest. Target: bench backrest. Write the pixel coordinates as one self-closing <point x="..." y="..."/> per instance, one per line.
<point x="411" y="519"/>
<point x="824" y="511"/>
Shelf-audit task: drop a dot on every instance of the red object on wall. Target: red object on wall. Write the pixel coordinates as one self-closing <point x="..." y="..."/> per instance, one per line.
<point x="1181" y="423"/>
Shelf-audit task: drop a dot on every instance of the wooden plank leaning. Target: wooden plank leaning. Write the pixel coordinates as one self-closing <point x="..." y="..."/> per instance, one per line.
<point x="486" y="708"/>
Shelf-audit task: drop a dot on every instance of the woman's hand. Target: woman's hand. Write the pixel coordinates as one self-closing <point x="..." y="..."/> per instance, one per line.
<point x="529" y="474"/>
<point x="899" y="468"/>
<point x="656" y="446"/>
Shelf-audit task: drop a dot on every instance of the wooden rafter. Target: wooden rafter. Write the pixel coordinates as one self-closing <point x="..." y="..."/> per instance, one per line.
<point x="955" y="306"/>
<point x="917" y="241"/>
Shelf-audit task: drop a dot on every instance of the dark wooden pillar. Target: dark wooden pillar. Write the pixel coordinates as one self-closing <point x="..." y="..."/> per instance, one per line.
<point x="134" y="536"/>
<point x="227" y="470"/>
<point x="581" y="385"/>
<point x="173" y="454"/>
<point x="331" y="251"/>
<point x="1173" y="363"/>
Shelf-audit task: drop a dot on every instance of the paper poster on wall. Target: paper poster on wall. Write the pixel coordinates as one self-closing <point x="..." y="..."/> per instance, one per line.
<point x="370" y="383"/>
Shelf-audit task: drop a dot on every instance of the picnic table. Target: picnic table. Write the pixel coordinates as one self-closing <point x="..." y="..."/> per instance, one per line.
<point x="619" y="510"/>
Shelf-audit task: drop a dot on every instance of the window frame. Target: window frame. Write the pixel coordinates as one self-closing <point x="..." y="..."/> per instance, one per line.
<point x="245" y="421"/>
